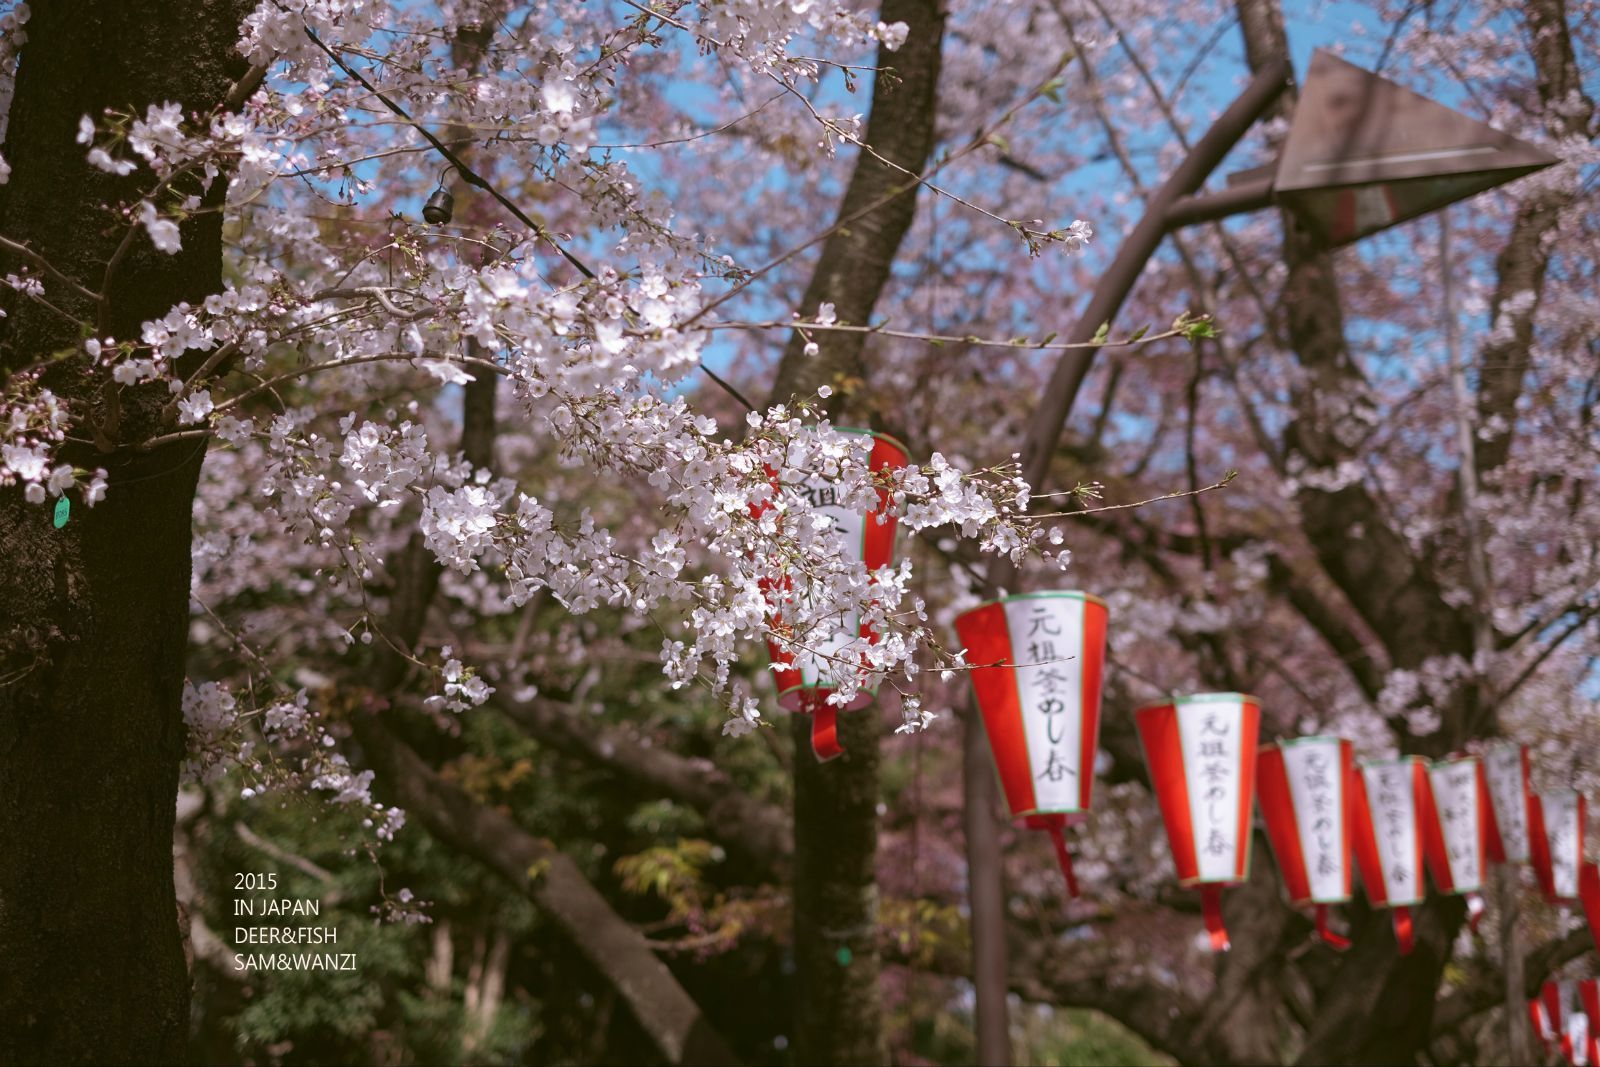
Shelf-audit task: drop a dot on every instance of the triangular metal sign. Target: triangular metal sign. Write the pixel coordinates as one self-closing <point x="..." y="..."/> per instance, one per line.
<point x="1364" y="153"/>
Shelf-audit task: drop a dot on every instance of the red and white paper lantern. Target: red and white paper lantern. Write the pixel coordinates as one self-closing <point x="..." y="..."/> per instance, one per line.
<point x="1555" y="838"/>
<point x="1037" y="661"/>
<point x="1392" y="804"/>
<point x="1506" y="769"/>
<point x="1457" y="842"/>
<point x="806" y="677"/>
<point x="1303" y="787"/>
<point x="1201" y="751"/>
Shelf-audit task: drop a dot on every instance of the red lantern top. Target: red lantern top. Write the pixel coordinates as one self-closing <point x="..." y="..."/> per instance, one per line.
<point x="1201" y="752"/>
<point x="1589" y="893"/>
<point x="1393" y="801"/>
<point x="1038" y="659"/>
<point x="1304" y="790"/>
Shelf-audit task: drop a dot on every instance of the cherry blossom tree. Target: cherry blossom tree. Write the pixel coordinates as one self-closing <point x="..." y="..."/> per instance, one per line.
<point x="342" y="484"/>
<point x="320" y="363"/>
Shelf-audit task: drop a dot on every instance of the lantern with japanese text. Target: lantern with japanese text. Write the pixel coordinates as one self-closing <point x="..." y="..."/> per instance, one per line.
<point x="1555" y="839"/>
<point x="1392" y="801"/>
<point x="1457" y="839"/>
<point x="806" y="677"/>
<point x="1303" y="787"/>
<point x="1201" y="751"/>
<point x="1506" y="769"/>
<point x="1037" y="661"/>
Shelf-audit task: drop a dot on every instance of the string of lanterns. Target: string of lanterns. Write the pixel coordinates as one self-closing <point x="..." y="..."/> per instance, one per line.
<point x="1037" y="668"/>
<point x="1399" y="818"/>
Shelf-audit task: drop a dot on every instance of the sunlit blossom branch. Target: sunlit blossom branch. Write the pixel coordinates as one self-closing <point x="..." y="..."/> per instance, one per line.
<point x="1226" y="480"/>
<point x="1046" y="344"/>
<point x="981" y="138"/>
<point x="724" y="127"/>
<point x="1031" y="236"/>
<point x="355" y="361"/>
<point x="380" y="293"/>
<point x="978" y="140"/>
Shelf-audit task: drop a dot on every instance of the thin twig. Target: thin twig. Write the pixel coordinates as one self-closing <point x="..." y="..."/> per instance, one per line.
<point x="969" y="339"/>
<point x="468" y="175"/>
<point x="44" y="264"/>
<point x="1223" y="484"/>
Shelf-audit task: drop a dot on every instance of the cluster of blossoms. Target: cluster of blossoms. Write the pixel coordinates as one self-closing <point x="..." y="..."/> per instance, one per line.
<point x="740" y="503"/>
<point x="597" y="368"/>
<point x="36" y="420"/>
<point x="280" y="745"/>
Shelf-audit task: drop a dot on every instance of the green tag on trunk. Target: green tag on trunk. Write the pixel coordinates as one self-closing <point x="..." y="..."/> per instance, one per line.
<point x="63" y="509"/>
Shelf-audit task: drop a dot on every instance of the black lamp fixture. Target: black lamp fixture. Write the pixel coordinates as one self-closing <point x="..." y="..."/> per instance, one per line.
<point x="441" y="204"/>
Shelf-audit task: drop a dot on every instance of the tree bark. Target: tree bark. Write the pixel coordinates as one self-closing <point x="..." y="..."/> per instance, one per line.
<point x="1521" y="265"/>
<point x="838" y="1009"/>
<point x="873" y="220"/>
<point x="94" y="616"/>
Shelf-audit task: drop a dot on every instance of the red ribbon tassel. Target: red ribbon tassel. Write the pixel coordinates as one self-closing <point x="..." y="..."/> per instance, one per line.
<point x="1211" y="911"/>
<point x="825" y="730"/>
<point x="1474" y="910"/>
<point x="1326" y="932"/>
<point x="1064" y="858"/>
<point x="1402" y="930"/>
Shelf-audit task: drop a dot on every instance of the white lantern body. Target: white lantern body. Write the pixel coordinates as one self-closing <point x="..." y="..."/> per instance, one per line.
<point x="1459" y="833"/>
<point x="1506" y="768"/>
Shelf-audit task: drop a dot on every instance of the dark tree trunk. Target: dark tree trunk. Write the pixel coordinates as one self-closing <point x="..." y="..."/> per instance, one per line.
<point x="838" y="1013"/>
<point x="838" y="1009"/>
<point x="94" y="616"/>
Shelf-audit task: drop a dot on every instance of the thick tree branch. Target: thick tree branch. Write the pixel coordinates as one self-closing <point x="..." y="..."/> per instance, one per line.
<point x="840" y="1018"/>
<point x="1392" y="590"/>
<point x="855" y="261"/>
<point x="1486" y="988"/>
<point x="1522" y="264"/>
<point x="757" y="830"/>
<point x="553" y="882"/>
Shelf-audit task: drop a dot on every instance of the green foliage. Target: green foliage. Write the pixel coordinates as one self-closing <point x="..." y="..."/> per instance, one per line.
<point x="1078" y="1038"/>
